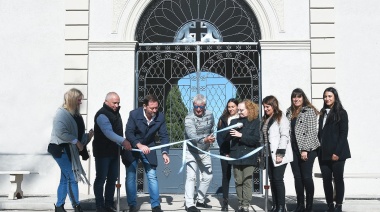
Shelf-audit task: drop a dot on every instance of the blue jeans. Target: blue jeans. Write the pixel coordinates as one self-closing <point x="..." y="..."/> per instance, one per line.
<point x="67" y="185"/>
<point x="130" y="182"/>
<point x="106" y="172"/>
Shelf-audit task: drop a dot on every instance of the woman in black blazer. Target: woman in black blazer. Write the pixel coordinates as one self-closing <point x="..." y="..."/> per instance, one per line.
<point x="334" y="150"/>
<point x="229" y="113"/>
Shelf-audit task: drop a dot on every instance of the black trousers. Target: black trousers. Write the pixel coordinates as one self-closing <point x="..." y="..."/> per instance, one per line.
<point x="303" y="176"/>
<point x="276" y="178"/>
<point x="330" y="169"/>
<point x="226" y="177"/>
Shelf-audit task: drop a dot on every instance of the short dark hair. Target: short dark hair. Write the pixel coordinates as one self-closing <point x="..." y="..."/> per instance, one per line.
<point x="150" y="98"/>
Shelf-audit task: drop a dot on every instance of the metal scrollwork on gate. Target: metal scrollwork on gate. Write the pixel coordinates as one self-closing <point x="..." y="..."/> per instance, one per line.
<point x="188" y="47"/>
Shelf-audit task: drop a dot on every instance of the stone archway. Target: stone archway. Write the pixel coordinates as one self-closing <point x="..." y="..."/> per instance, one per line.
<point x="213" y="37"/>
<point x="127" y="18"/>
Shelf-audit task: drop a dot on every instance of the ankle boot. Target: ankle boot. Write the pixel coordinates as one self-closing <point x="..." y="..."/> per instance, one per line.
<point x="274" y="204"/>
<point x="60" y="208"/>
<point x="309" y="208"/>
<point x="338" y="208"/>
<point x="225" y="205"/>
<point x="77" y="208"/>
<point x="309" y="203"/>
<point x="300" y="207"/>
<point x="273" y="208"/>
<point x="281" y="208"/>
<point x="330" y="207"/>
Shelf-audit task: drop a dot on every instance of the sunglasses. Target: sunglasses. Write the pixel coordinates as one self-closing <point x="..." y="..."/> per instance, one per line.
<point x="201" y="107"/>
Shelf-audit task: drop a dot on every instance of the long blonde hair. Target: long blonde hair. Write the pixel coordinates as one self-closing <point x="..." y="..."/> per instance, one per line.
<point x="71" y="98"/>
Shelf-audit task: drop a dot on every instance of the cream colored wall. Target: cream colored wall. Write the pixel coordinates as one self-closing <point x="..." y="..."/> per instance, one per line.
<point x="357" y="75"/>
<point x="31" y="88"/>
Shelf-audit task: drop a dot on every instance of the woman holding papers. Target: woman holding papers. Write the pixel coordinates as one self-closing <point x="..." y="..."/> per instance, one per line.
<point x="229" y="113"/>
<point x="275" y="132"/>
<point x="243" y="141"/>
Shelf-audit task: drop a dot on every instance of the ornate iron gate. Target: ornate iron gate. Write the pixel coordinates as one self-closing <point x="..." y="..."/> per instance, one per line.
<point x="175" y="72"/>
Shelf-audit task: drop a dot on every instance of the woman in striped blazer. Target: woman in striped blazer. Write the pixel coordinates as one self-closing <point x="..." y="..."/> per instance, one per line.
<point x="304" y="137"/>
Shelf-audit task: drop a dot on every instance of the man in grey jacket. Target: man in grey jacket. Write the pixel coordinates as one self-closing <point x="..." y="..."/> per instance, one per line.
<point x="199" y="126"/>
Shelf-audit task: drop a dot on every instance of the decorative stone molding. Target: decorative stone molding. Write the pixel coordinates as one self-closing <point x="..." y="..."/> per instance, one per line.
<point x="112" y="46"/>
<point x="278" y="7"/>
<point x="118" y="8"/>
<point x="128" y="14"/>
<point x="322" y="56"/>
<point x="285" y="45"/>
<point x="76" y="50"/>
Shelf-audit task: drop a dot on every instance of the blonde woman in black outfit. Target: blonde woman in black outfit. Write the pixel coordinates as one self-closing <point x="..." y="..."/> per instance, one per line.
<point x="304" y="138"/>
<point x="229" y="113"/>
<point x="334" y="150"/>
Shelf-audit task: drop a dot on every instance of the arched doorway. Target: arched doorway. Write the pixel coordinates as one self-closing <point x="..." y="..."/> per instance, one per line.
<point x="198" y="41"/>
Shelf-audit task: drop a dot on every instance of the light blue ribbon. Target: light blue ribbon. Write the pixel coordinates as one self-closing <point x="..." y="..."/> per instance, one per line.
<point x="188" y="141"/>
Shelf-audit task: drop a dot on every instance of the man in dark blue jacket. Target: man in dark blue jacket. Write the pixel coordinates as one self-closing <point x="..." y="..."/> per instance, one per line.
<point x="142" y="126"/>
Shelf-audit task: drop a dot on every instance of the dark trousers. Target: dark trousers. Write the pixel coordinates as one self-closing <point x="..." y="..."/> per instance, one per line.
<point x="106" y="172"/>
<point x="303" y="176"/>
<point x="333" y="169"/>
<point x="276" y="178"/>
<point x="226" y="177"/>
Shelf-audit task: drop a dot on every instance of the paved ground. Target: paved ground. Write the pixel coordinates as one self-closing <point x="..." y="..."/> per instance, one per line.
<point x="175" y="202"/>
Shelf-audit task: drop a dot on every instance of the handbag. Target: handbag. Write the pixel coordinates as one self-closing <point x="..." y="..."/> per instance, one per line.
<point x="261" y="160"/>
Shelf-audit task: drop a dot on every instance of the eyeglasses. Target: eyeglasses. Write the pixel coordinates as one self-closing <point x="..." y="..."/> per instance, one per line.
<point x="240" y="110"/>
<point x="201" y="107"/>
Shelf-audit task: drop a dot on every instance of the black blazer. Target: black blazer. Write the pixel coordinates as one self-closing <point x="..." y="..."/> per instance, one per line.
<point x="333" y="138"/>
<point x="224" y="145"/>
<point x="249" y="141"/>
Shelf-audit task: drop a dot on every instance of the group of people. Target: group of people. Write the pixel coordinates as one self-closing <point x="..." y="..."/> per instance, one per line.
<point x="293" y="138"/>
<point x="69" y="140"/>
<point x="297" y="137"/>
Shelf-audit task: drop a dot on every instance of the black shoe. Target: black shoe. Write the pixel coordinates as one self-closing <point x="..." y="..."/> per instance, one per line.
<point x="338" y="208"/>
<point x="281" y="208"/>
<point x="101" y="209"/>
<point x="273" y="209"/>
<point x="157" y="209"/>
<point x="331" y="207"/>
<point x="309" y="208"/>
<point x="225" y="205"/>
<point x="110" y="209"/>
<point x="133" y="209"/>
<point x="299" y="208"/>
<point x="203" y="205"/>
<point x="193" y="209"/>
<point x="77" y="208"/>
<point x="60" y="208"/>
